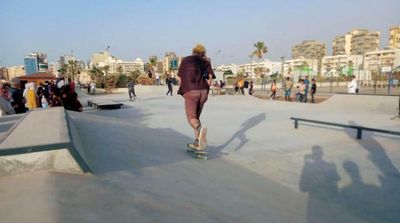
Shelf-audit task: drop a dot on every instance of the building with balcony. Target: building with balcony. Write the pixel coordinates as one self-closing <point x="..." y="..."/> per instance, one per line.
<point x="269" y="67"/>
<point x="342" y="45"/>
<point x="333" y="66"/>
<point x="297" y="68"/>
<point x="309" y="49"/>
<point x="363" y="41"/>
<point x="375" y="61"/>
<point x="394" y="37"/>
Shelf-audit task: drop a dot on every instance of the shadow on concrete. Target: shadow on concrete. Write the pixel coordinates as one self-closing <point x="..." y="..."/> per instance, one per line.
<point x="319" y="179"/>
<point x="116" y="144"/>
<point x="380" y="203"/>
<point x="215" y="151"/>
<point x="363" y="202"/>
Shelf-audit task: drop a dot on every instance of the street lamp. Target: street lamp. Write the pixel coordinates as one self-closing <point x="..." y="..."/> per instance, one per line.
<point x="283" y="76"/>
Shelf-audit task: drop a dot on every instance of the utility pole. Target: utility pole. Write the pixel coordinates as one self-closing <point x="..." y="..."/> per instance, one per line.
<point x="283" y="76"/>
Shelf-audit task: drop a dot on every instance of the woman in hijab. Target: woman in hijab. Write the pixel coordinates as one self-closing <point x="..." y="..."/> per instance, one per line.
<point x="31" y="100"/>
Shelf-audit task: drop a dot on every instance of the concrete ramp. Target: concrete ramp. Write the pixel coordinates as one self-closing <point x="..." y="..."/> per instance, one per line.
<point x="362" y="103"/>
<point x="41" y="140"/>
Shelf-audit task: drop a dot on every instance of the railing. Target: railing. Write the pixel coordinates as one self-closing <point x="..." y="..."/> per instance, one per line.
<point x="357" y="127"/>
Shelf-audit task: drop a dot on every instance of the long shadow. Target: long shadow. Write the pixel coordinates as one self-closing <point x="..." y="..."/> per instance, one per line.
<point x="362" y="200"/>
<point x="215" y="151"/>
<point x="386" y="205"/>
<point x="319" y="179"/>
<point x="117" y="144"/>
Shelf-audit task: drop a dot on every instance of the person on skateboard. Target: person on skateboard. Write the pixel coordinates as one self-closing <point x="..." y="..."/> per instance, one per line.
<point x="196" y="76"/>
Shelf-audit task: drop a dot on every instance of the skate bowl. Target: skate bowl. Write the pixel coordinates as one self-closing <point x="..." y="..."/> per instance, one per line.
<point x="41" y="140"/>
<point x="355" y="102"/>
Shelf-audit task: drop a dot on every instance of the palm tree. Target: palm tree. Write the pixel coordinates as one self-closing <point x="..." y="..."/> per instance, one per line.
<point x="259" y="71"/>
<point x="63" y="70"/>
<point x="73" y="68"/>
<point x="261" y="49"/>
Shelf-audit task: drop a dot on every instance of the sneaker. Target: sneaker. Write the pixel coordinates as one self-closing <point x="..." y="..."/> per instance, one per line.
<point x="202" y="137"/>
<point x="194" y="145"/>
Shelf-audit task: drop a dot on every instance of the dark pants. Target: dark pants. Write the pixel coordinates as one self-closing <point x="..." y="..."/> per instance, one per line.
<point x="169" y="90"/>
<point x="131" y="92"/>
<point x="312" y="97"/>
<point x="273" y="94"/>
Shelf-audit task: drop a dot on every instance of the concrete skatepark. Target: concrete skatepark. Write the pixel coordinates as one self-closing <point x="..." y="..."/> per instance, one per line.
<point x="260" y="168"/>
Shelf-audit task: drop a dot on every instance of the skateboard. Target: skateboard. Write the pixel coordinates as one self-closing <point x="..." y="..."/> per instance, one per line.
<point x="198" y="154"/>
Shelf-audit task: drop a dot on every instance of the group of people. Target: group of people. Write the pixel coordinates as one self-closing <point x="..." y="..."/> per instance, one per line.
<point x="301" y="91"/>
<point x="15" y="100"/>
<point x="241" y="84"/>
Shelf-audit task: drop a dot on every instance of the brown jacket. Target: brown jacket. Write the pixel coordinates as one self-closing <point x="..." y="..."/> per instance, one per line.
<point x="192" y="71"/>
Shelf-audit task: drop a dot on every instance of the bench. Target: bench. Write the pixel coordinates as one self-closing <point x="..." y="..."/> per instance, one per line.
<point x="357" y="127"/>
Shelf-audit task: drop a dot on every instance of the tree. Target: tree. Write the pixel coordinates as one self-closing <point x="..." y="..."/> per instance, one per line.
<point x="73" y="68"/>
<point x="260" y="71"/>
<point x="261" y="49"/>
<point x="96" y="74"/>
<point x="134" y="75"/>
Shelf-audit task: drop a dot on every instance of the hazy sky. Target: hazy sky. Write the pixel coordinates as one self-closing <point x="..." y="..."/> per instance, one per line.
<point x="139" y="28"/>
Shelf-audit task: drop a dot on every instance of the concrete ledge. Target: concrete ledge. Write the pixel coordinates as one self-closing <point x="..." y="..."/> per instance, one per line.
<point x="104" y="104"/>
<point x="41" y="140"/>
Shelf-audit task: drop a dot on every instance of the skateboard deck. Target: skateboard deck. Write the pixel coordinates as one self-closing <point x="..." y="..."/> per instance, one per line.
<point x="199" y="154"/>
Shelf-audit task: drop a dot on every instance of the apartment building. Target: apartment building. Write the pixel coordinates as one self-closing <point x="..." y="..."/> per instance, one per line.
<point x="375" y="61"/>
<point x="15" y="71"/>
<point x="342" y="45"/>
<point x="341" y="65"/>
<point x="267" y="65"/>
<point x="363" y="41"/>
<point x="394" y="37"/>
<point x="309" y="49"/>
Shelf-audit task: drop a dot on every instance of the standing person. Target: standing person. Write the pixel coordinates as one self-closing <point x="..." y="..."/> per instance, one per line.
<point x="88" y="87"/>
<point x="18" y="100"/>
<point x="169" y="81"/>
<point x="352" y="86"/>
<point x="92" y="88"/>
<point x="306" y="84"/>
<point x="273" y="89"/>
<point x="31" y="99"/>
<point x="158" y="79"/>
<point x="301" y="91"/>
<point x="241" y="85"/>
<point x="251" y="88"/>
<point x="131" y="90"/>
<point x="313" y="90"/>
<point x="71" y="85"/>
<point x="196" y="76"/>
<point x="288" y="87"/>
<point x="5" y="106"/>
<point x="246" y="84"/>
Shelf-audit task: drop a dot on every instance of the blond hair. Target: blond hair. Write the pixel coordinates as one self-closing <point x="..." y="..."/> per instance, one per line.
<point x="199" y="49"/>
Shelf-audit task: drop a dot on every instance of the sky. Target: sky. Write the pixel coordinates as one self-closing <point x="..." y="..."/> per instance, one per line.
<point x="140" y="28"/>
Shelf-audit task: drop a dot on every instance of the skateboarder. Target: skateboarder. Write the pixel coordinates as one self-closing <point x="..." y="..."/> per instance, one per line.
<point x="131" y="90"/>
<point x="196" y="76"/>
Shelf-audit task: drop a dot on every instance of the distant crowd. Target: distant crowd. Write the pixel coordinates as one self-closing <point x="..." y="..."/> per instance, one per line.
<point x="16" y="99"/>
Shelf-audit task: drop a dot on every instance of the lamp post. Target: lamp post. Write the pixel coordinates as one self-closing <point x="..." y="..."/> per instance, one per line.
<point x="283" y="75"/>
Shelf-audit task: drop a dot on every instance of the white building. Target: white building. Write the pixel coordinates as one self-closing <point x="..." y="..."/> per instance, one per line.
<point x="387" y="59"/>
<point x="269" y="67"/>
<point x="299" y="68"/>
<point x="333" y="66"/>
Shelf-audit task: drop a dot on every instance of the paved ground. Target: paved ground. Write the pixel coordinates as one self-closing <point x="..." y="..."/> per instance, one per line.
<point x="260" y="170"/>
